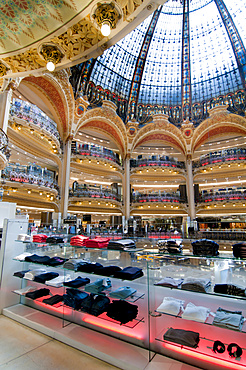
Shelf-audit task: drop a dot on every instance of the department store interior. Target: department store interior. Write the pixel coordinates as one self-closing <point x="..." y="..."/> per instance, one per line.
<point x="139" y="133"/>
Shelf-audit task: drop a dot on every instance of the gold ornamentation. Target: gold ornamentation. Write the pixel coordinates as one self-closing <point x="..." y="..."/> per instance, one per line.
<point x="106" y="13"/>
<point x="51" y="53"/>
<point x="3" y="69"/>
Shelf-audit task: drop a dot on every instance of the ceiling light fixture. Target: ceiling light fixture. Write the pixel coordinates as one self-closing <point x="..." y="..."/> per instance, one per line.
<point x="106" y="16"/>
<point x="52" y="55"/>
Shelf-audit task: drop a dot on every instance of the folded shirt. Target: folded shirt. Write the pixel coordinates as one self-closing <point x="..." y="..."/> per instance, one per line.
<point x="89" y="267"/>
<point x="38" y="293"/>
<point x="122" y="311"/>
<point x="230" y="289"/>
<point x="30" y="275"/>
<point x="22" y="256"/>
<point x="171" y="306"/>
<point x="59" y="281"/>
<point x="228" y="319"/>
<point x="34" y="258"/>
<point x="25" y="290"/>
<point x="56" y="261"/>
<point x="77" y="283"/>
<point x="54" y="240"/>
<point x="74" y="298"/>
<point x="107" y="270"/>
<point x="53" y="300"/>
<point x="24" y="237"/>
<point x="122" y="292"/>
<point x="196" y="285"/>
<point x="98" y="286"/>
<point x="20" y="274"/>
<point x="196" y="313"/>
<point x="129" y="273"/>
<point x="42" y="278"/>
<point x="184" y="337"/>
<point x="170" y="282"/>
<point x="95" y="304"/>
<point x="74" y="263"/>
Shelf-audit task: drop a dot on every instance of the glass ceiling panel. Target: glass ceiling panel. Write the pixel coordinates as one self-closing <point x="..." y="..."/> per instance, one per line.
<point x="161" y="82"/>
<point x="213" y="64"/>
<point x="237" y="9"/>
<point x="115" y="67"/>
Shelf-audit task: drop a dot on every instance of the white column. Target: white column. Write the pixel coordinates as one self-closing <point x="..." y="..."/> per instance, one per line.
<point x="126" y="188"/>
<point x="64" y="181"/>
<point x="5" y="101"/>
<point x="190" y="189"/>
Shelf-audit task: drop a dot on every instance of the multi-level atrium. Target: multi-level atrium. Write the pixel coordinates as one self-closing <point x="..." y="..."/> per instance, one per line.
<point x="152" y="126"/>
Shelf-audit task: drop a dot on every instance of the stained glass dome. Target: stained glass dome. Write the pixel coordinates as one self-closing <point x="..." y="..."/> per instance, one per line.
<point x="178" y="59"/>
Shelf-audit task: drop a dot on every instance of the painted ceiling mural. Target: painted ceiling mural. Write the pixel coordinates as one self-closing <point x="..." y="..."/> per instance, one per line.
<point x="24" y="22"/>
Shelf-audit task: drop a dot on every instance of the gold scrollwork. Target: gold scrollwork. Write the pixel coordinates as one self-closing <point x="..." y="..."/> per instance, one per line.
<point x="106" y="12"/>
<point x="51" y="53"/>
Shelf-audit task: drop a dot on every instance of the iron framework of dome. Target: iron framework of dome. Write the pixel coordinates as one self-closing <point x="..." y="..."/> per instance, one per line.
<point x="184" y="59"/>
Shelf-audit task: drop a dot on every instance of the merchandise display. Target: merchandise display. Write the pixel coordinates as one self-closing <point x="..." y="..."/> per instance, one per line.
<point x="79" y="240"/>
<point x="91" y="282"/>
<point x="39" y="238"/>
<point x="97" y="242"/>
<point x="239" y="250"/>
<point x="54" y="239"/>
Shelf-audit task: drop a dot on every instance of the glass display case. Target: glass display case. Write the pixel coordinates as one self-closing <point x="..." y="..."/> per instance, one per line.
<point x="191" y="308"/>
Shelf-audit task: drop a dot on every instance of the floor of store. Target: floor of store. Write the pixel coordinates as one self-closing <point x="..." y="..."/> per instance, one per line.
<point x="23" y="348"/>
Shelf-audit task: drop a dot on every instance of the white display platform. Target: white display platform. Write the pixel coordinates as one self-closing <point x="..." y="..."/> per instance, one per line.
<point x="114" y="351"/>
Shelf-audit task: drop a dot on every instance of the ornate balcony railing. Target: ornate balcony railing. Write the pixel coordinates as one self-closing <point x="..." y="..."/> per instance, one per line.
<point x="31" y="174"/>
<point x="33" y="114"/>
<point x="221" y="156"/>
<point x="155" y="198"/>
<point x="95" y="151"/>
<point x="4" y="141"/>
<point x="223" y="196"/>
<point x="157" y="162"/>
<point x="95" y="194"/>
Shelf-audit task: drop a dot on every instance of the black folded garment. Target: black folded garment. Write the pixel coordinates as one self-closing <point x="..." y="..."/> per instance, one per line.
<point x="122" y="311"/>
<point x="89" y="267"/>
<point x="205" y="247"/>
<point x="38" y="293"/>
<point x="129" y="273"/>
<point x="184" y="337"/>
<point x="78" y="282"/>
<point x="54" y="299"/>
<point x="121" y="244"/>
<point x="34" y="258"/>
<point x="74" y="298"/>
<point x="95" y="304"/>
<point x="20" y="274"/>
<point x="56" y="261"/>
<point x="108" y="270"/>
<point x="230" y="289"/>
<point x="42" y="278"/>
<point x="239" y="250"/>
<point x="54" y="239"/>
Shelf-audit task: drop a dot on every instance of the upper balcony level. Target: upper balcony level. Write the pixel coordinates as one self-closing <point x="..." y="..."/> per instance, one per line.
<point x="221" y="157"/>
<point x="94" y="192"/>
<point x="34" y="116"/>
<point x="157" y="161"/>
<point x="30" y="174"/>
<point x="95" y="151"/>
<point x="223" y="195"/>
<point x="157" y="196"/>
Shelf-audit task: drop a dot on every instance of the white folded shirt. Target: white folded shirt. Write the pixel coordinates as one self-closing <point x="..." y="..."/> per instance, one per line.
<point x="170" y="305"/>
<point x="58" y="281"/>
<point x="196" y="313"/>
<point x="30" y="275"/>
<point x="22" y="256"/>
<point x="25" y="290"/>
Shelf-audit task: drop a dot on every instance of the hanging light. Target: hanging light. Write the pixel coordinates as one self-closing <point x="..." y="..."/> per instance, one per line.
<point x="106" y="16"/>
<point x="52" y="55"/>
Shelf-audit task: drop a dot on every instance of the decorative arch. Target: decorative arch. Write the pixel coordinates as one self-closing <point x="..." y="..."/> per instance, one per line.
<point x="58" y="95"/>
<point x="106" y="120"/>
<point x="160" y="130"/>
<point x="218" y="125"/>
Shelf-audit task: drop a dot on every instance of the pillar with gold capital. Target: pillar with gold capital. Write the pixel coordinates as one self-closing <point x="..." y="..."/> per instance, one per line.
<point x="190" y="187"/>
<point x="64" y="177"/>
